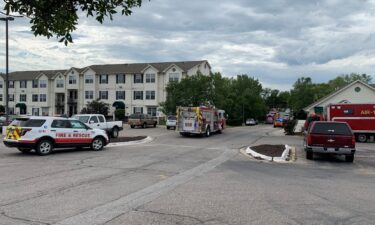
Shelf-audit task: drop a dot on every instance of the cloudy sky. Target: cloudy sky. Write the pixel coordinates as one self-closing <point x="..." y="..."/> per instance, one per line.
<point x="275" y="41"/>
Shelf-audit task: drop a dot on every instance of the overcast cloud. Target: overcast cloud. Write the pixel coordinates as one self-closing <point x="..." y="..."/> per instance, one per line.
<point x="275" y="41"/>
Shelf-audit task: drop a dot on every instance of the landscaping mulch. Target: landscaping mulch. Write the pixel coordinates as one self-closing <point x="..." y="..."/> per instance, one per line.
<point x="269" y="150"/>
<point x="126" y="139"/>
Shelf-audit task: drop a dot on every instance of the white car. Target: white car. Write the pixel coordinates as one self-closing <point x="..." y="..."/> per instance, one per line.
<point x="46" y="133"/>
<point x="171" y="122"/>
<point x="251" y="122"/>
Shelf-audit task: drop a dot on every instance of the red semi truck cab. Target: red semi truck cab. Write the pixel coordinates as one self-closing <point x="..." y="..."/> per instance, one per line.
<point x="360" y="117"/>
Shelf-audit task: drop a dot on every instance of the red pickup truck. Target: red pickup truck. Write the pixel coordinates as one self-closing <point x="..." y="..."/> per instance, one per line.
<point x="330" y="137"/>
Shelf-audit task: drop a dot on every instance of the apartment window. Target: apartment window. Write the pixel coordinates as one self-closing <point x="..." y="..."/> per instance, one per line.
<point x="89" y="79"/>
<point x="138" y="78"/>
<point x="103" y="94"/>
<point x="35" y="98"/>
<point x="45" y="111"/>
<point x="120" y="78"/>
<point x="23" y="84"/>
<point x="174" y="77"/>
<point x="150" y="78"/>
<point x="138" y="95"/>
<point x="43" y="98"/>
<point x="89" y="94"/>
<point x="138" y="110"/>
<point x="35" y="83"/>
<point x="1" y="97"/>
<point x="22" y="98"/>
<point x="120" y="95"/>
<point x="150" y="95"/>
<point x="1" y="84"/>
<point x="103" y="79"/>
<point x="35" y="111"/>
<point x="11" y="84"/>
<point x="43" y="84"/>
<point x="72" y="79"/>
<point x="151" y="111"/>
<point x="11" y="97"/>
<point x="60" y="83"/>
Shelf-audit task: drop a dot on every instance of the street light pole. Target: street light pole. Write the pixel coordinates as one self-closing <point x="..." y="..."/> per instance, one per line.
<point x="6" y="19"/>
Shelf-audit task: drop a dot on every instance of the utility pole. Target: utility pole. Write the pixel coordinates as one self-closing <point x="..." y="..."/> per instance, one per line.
<point x="6" y="19"/>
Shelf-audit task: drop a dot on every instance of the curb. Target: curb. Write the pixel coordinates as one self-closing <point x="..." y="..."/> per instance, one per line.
<point x="283" y="158"/>
<point x="143" y="141"/>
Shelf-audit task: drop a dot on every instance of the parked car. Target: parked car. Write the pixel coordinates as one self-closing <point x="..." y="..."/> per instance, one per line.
<point x="251" y="122"/>
<point x="171" y="122"/>
<point x="330" y="137"/>
<point x="98" y="121"/>
<point x="142" y="120"/>
<point x="46" y="133"/>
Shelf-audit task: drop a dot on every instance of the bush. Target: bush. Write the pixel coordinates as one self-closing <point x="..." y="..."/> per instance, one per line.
<point x="289" y="127"/>
<point x="120" y="114"/>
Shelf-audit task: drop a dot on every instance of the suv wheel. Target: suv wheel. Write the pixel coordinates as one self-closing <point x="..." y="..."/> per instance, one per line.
<point x="167" y="127"/>
<point x="309" y="155"/>
<point x="349" y="158"/>
<point x="44" y="147"/>
<point x="132" y="126"/>
<point x="97" y="144"/>
<point x="115" y="132"/>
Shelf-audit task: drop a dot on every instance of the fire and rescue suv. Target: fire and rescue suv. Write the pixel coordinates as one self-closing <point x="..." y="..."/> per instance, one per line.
<point x="46" y="133"/>
<point x="200" y="120"/>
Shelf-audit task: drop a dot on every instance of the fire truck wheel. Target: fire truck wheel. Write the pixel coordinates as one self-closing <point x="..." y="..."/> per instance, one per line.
<point x="362" y="138"/>
<point x="208" y="132"/>
<point x="24" y="150"/>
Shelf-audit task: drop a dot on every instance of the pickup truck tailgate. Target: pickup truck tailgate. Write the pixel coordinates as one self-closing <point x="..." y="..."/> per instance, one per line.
<point x="331" y="141"/>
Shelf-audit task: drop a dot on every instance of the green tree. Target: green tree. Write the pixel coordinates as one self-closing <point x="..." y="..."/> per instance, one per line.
<point x="345" y="79"/>
<point x="55" y="17"/>
<point x="302" y="94"/>
<point x="96" y="107"/>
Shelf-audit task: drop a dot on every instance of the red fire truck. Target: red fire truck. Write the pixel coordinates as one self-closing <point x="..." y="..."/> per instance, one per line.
<point x="200" y="120"/>
<point x="360" y="117"/>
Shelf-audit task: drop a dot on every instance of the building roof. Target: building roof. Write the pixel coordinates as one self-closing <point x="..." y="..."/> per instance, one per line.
<point x="371" y="86"/>
<point x="105" y="69"/>
<point x="31" y="75"/>
<point x="139" y="67"/>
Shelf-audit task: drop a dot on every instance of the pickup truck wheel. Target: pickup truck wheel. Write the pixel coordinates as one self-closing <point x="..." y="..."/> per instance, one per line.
<point x="349" y="158"/>
<point x="132" y="126"/>
<point x="362" y="138"/>
<point x="24" y="150"/>
<point x="44" y="147"/>
<point x="115" y="132"/>
<point x="309" y="155"/>
<point x="155" y="124"/>
<point x="208" y="132"/>
<point x="97" y="144"/>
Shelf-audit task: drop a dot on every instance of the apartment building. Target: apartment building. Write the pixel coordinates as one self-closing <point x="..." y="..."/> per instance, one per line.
<point x="137" y="87"/>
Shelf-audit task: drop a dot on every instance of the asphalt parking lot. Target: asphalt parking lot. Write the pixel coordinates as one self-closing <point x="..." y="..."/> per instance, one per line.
<point x="179" y="180"/>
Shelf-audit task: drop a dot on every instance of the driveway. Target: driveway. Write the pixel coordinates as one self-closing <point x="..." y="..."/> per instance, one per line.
<point x="179" y="180"/>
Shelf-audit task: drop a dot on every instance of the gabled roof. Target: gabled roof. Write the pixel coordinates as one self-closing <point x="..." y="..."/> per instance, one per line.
<point x="31" y="75"/>
<point x="140" y="67"/>
<point x="371" y="86"/>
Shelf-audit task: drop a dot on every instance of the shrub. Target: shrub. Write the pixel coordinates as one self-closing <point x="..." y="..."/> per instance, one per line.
<point x="289" y="127"/>
<point x="120" y="114"/>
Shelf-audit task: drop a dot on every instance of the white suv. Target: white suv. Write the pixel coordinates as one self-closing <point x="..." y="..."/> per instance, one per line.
<point x="46" y="133"/>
